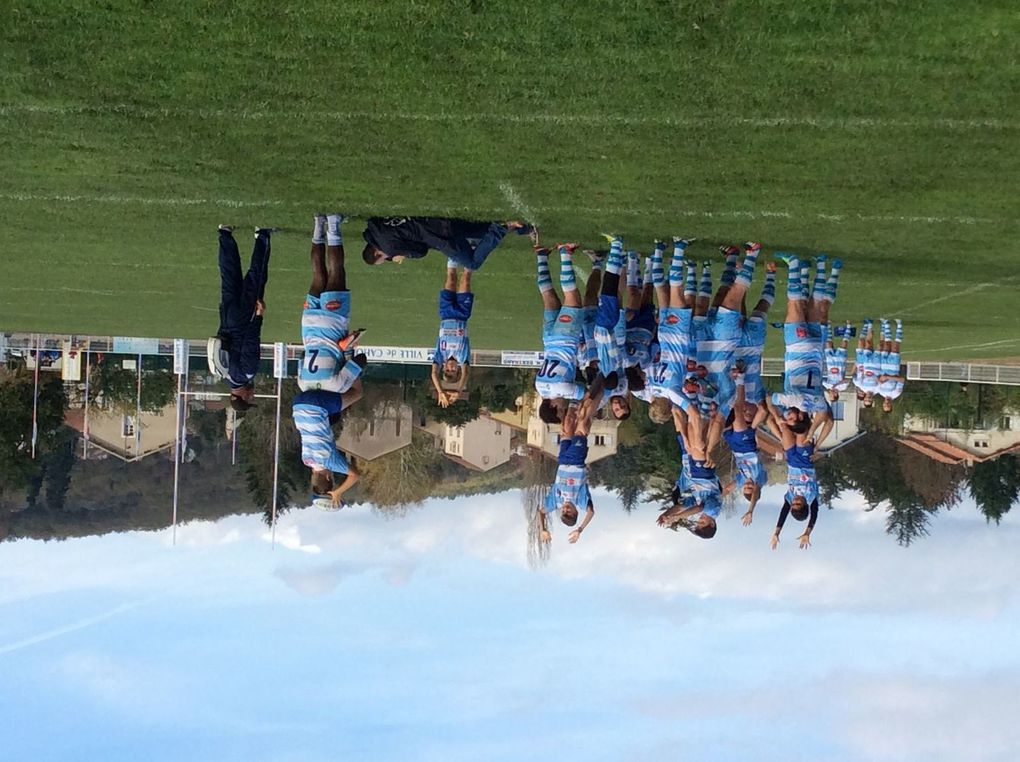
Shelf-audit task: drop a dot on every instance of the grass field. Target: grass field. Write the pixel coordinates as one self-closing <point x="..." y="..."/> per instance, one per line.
<point x="885" y="133"/>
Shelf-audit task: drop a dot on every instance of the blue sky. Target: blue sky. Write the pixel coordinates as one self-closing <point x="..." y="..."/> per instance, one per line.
<point x="428" y="637"/>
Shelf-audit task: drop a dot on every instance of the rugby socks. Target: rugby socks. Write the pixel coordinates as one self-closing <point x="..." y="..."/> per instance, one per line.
<point x="747" y="268"/>
<point x="690" y="287"/>
<point x="676" y="268"/>
<point x="899" y="330"/>
<point x="730" y="271"/>
<point x="886" y="333"/>
<point x="818" y="291"/>
<point x="647" y="280"/>
<point x="597" y="262"/>
<point x="658" y="270"/>
<point x="866" y="327"/>
<point x="544" y="278"/>
<point x="615" y="263"/>
<point x="319" y="230"/>
<point x="706" y="280"/>
<point x="833" y="283"/>
<point x="567" y="281"/>
<point x="794" y="288"/>
<point x="633" y="270"/>
<point x="768" y="293"/>
<point x="805" y="280"/>
<point x="334" y="236"/>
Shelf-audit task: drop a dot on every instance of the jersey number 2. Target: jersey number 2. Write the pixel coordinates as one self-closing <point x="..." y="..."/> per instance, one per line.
<point x="311" y="364"/>
<point x="548" y="367"/>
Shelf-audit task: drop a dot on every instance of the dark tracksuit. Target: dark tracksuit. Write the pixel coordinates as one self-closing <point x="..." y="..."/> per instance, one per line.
<point x="466" y="242"/>
<point x="240" y="328"/>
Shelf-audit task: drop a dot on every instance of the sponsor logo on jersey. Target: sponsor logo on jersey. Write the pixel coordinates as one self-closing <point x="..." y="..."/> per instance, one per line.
<point x="802" y="332"/>
<point x="673" y="319"/>
<point x="307" y="305"/>
<point x="566" y="319"/>
<point x="333" y="305"/>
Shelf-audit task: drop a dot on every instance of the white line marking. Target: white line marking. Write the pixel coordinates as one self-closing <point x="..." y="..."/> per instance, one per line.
<point x="967" y="346"/>
<point x="954" y="295"/>
<point x="593" y="211"/>
<point x="707" y="121"/>
<point x="517" y="203"/>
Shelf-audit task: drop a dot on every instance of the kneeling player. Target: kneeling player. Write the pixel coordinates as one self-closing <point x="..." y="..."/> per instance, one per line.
<point x="699" y="508"/>
<point x="329" y="382"/>
<point x="452" y="358"/>
<point x="835" y="364"/>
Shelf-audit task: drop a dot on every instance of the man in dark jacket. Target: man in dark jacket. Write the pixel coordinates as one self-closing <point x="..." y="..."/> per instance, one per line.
<point x="394" y="239"/>
<point x="241" y="308"/>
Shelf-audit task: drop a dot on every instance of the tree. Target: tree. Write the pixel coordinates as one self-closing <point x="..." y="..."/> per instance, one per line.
<point x="995" y="486"/>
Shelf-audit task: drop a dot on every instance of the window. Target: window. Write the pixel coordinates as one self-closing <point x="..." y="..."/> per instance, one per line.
<point x="600" y="440"/>
<point x="981" y="443"/>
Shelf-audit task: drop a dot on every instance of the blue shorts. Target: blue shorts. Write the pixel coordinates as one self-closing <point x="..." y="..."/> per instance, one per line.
<point x="643" y="318"/>
<point x="608" y="312"/>
<point x="454" y="305"/>
<point x="573" y="451"/>
<point x="566" y="321"/>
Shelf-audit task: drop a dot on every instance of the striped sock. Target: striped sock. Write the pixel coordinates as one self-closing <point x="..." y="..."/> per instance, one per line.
<point x="676" y="268"/>
<point x="614" y="264"/>
<point x="747" y="268"/>
<point x="597" y="263"/>
<point x="544" y="278"/>
<point x="658" y="271"/>
<point x="899" y="330"/>
<point x="730" y="272"/>
<point x="818" y="292"/>
<point x="633" y="270"/>
<point x="690" y="287"/>
<point x="833" y="284"/>
<point x="567" y="282"/>
<point x="648" y="271"/>
<point x="319" y="230"/>
<point x="866" y="327"/>
<point x="334" y="236"/>
<point x="794" y="287"/>
<point x="886" y="333"/>
<point x="769" y="292"/>
<point x="706" y="279"/>
<point x="805" y="279"/>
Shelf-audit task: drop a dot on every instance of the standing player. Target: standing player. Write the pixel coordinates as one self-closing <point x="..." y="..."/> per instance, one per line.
<point x="570" y="491"/>
<point x="562" y="328"/>
<point x="890" y="382"/>
<point x="242" y="305"/>
<point x="666" y="372"/>
<point x="802" y="331"/>
<point x="452" y="358"/>
<point x="610" y="336"/>
<point x="835" y="364"/>
<point x="867" y="367"/>
<point x="329" y="382"/>
<point x="747" y="356"/>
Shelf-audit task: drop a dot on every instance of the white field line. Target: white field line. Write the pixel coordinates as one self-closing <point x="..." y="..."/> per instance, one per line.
<point x="760" y="214"/>
<point x="968" y="346"/>
<point x="608" y="120"/>
<point x="517" y="203"/>
<point x="954" y="295"/>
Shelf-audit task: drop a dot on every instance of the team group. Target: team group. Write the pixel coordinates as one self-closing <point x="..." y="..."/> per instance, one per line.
<point x="654" y="332"/>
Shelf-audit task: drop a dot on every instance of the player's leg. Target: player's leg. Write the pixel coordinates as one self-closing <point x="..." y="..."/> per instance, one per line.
<point x="450" y="279"/>
<point x="734" y="296"/>
<point x="691" y="285"/>
<point x="647" y="288"/>
<point x="231" y="282"/>
<point x="676" y="276"/>
<point x="662" y="296"/>
<point x="704" y="289"/>
<point x="318" y="256"/>
<point x="550" y="299"/>
<point x="796" y="295"/>
<point x="633" y="281"/>
<point x="336" y="274"/>
<point x="258" y="271"/>
<point x="898" y="340"/>
<point x="568" y="282"/>
<point x="594" y="285"/>
<point x="464" y="287"/>
<point x="768" y="293"/>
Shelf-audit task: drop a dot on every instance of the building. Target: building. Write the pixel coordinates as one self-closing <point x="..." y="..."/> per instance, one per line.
<point x="482" y="444"/>
<point x="378" y="435"/>
<point x="962" y="446"/>
<point x="129" y="437"/>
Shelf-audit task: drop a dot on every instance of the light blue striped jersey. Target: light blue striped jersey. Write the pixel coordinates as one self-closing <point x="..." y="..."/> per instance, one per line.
<point x="452" y="342"/>
<point x="311" y="417"/>
<point x="803" y="363"/>
<point x="803" y="482"/>
<point x="835" y="369"/>
<point x="571" y="486"/>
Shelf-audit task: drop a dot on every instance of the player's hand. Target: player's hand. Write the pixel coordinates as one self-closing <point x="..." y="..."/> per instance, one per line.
<point x="817" y="457"/>
<point x="361" y="359"/>
<point x="746" y="518"/>
<point x="545" y="536"/>
<point x="666" y="517"/>
<point x="574" y="536"/>
<point x="709" y="461"/>
<point x="334" y="498"/>
<point x="444" y="399"/>
<point x="260" y="307"/>
<point x="805" y="540"/>
<point x="774" y="543"/>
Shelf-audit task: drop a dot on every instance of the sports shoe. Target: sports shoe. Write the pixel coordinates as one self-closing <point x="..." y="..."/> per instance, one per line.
<point x="569" y="248"/>
<point x="837" y="264"/>
<point x="820" y="258"/>
<point x="683" y="242"/>
<point x="728" y="250"/>
<point x="541" y="250"/>
<point x="226" y="228"/>
<point x="267" y="231"/>
<point x="343" y="217"/>
<point x="786" y="257"/>
<point x="594" y="256"/>
<point x="770" y="267"/>
<point x="750" y="246"/>
<point x="612" y="237"/>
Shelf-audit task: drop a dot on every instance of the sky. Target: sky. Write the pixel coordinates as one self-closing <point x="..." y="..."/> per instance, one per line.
<point x="428" y="637"/>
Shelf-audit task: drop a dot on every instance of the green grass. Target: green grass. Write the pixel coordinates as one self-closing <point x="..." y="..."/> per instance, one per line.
<point x="898" y="150"/>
